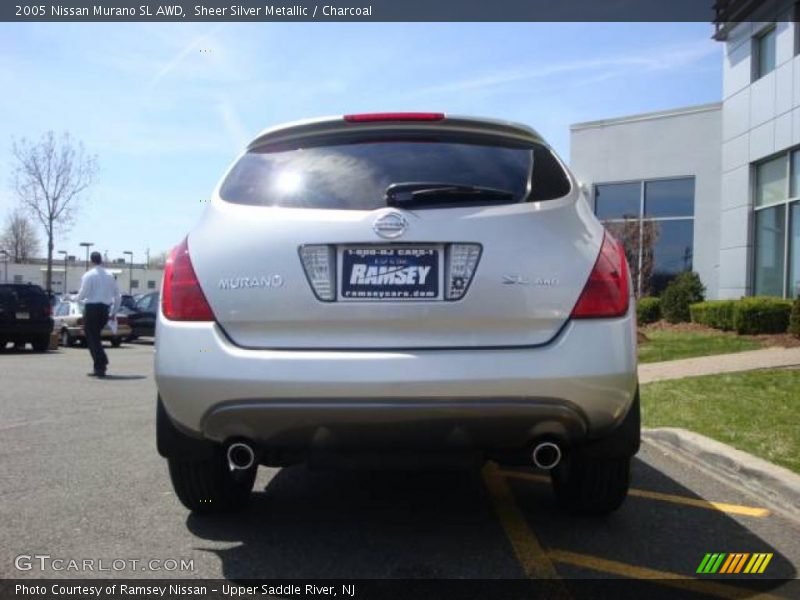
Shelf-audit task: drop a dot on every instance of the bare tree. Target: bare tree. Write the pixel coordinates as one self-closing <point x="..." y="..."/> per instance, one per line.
<point x="637" y="241"/>
<point x="157" y="260"/>
<point x="50" y="176"/>
<point x="19" y="238"/>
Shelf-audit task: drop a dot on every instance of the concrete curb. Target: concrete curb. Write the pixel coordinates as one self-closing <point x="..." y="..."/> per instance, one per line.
<point x="778" y="486"/>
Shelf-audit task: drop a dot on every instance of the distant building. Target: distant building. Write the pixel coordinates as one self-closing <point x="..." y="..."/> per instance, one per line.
<point x="136" y="278"/>
<point x="721" y="182"/>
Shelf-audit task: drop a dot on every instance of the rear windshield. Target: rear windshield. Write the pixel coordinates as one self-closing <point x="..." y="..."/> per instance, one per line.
<point x="356" y="175"/>
<point x="22" y="293"/>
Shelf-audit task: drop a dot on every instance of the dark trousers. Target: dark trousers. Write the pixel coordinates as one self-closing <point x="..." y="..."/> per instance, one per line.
<point x="95" y="317"/>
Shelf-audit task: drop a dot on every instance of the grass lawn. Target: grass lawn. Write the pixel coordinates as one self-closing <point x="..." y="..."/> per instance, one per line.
<point x="670" y="345"/>
<point x="756" y="411"/>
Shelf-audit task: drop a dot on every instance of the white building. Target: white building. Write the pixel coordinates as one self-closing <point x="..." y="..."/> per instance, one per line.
<point x="721" y="181"/>
<point x="134" y="279"/>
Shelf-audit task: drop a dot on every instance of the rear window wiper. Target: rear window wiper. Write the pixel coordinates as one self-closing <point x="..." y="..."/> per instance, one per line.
<point x="398" y="194"/>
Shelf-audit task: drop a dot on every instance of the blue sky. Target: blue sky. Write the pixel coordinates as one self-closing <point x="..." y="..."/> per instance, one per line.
<point x="166" y="107"/>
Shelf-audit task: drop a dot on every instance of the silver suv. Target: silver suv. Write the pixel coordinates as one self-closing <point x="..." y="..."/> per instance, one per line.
<point x="387" y="289"/>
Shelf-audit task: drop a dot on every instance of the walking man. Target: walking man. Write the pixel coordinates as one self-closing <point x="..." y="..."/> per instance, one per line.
<point x="101" y="297"/>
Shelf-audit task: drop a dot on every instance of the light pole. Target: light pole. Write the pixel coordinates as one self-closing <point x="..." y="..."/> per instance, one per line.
<point x="5" y="265"/>
<point x="64" y="252"/>
<point x="130" y="269"/>
<point x="87" y="245"/>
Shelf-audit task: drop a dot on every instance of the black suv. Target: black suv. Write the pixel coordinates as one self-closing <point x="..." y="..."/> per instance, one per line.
<point x="25" y="316"/>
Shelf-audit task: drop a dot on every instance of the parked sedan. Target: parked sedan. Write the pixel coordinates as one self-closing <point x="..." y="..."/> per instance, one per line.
<point x="68" y="322"/>
<point x="142" y="317"/>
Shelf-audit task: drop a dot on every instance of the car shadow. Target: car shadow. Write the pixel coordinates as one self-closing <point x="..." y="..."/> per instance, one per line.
<point x="11" y="350"/>
<point x="111" y="377"/>
<point x="329" y="524"/>
<point x="356" y="524"/>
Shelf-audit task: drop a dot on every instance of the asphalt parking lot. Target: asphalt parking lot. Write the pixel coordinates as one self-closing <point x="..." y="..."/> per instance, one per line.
<point x="82" y="479"/>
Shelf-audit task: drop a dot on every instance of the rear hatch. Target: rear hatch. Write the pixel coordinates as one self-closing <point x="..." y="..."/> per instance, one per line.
<point x="23" y="304"/>
<point x="435" y="235"/>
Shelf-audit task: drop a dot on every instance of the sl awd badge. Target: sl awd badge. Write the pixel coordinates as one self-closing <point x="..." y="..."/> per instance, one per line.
<point x="390" y="225"/>
<point x="514" y="279"/>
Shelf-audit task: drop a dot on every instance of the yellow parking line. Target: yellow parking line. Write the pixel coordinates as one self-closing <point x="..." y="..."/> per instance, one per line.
<point x="530" y="553"/>
<point x="733" y="509"/>
<point x="666" y="578"/>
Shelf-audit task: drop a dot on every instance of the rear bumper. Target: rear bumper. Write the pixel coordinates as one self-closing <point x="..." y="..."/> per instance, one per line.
<point x="105" y="333"/>
<point x="24" y="330"/>
<point x="580" y="386"/>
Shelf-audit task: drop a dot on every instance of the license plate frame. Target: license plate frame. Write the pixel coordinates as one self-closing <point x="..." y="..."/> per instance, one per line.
<point x="397" y="258"/>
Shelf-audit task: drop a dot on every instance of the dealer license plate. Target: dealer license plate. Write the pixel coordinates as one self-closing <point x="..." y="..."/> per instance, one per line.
<point x="390" y="273"/>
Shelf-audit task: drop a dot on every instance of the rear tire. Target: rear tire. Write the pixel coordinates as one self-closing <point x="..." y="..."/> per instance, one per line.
<point x="591" y="486"/>
<point x="208" y="486"/>
<point x="41" y="344"/>
<point x="116" y="342"/>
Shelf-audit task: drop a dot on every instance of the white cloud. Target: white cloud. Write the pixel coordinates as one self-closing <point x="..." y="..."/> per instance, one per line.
<point x="663" y="58"/>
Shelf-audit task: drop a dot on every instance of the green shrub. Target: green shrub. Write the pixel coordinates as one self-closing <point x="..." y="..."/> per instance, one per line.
<point x="648" y="310"/>
<point x="714" y="313"/>
<point x="794" y="318"/>
<point x="686" y="289"/>
<point x="761" y="315"/>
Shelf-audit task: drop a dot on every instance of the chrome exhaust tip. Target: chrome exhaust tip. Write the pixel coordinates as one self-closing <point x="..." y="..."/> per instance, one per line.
<point x="241" y="456"/>
<point x="546" y="455"/>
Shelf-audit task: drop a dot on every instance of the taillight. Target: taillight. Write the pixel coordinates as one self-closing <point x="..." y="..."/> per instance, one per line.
<point x="399" y="116"/>
<point x="606" y="292"/>
<point x="461" y="262"/>
<point x="182" y="299"/>
<point x="319" y="263"/>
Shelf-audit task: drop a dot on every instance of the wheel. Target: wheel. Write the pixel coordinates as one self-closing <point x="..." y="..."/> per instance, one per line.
<point x="208" y="486"/>
<point x="65" y="339"/>
<point x="116" y="341"/>
<point x="41" y="343"/>
<point x="591" y="485"/>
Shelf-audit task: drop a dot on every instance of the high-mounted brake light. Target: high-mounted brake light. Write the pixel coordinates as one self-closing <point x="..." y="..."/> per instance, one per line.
<point x="400" y="116"/>
<point x="606" y="292"/>
<point x="181" y="296"/>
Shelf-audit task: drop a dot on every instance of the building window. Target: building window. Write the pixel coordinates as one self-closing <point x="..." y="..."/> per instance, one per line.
<point x="134" y="283"/>
<point x="776" y="248"/>
<point x="794" y="250"/>
<point x="17" y="278"/>
<point x="654" y="220"/>
<point x="764" y="53"/>
<point x="771" y="181"/>
<point x="618" y="201"/>
<point x="151" y="285"/>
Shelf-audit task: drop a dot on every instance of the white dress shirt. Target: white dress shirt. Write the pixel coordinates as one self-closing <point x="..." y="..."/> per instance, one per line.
<point x="99" y="286"/>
